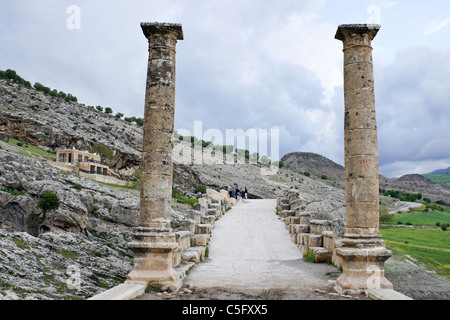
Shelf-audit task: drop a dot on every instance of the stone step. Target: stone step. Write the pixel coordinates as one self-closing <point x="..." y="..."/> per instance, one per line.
<point x="203" y="228"/>
<point x="321" y="254"/>
<point x="315" y="240"/>
<point x="200" y="240"/>
<point x="194" y="254"/>
<point x="300" y="228"/>
<point x="287" y="213"/>
<point x="183" y="239"/>
<point x="319" y="226"/>
<point x="183" y="268"/>
<point x="208" y="220"/>
<point x="305" y="217"/>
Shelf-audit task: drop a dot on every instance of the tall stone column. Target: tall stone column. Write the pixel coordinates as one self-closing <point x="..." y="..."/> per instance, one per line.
<point x="154" y="241"/>
<point x="362" y="249"/>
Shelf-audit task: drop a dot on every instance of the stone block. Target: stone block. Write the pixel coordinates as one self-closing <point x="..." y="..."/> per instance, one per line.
<point x="188" y="225"/>
<point x="294" y="238"/>
<point x="305" y="218"/>
<point x="319" y="226"/>
<point x="203" y="229"/>
<point x="296" y="204"/>
<point x="315" y="240"/>
<point x="194" y="215"/>
<point x="203" y="202"/>
<point x="183" y="238"/>
<point x="301" y="228"/>
<point x="299" y="210"/>
<point x="287" y="213"/>
<point x="176" y="256"/>
<point x="304" y="249"/>
<point x="208" y="220"/>
<point x="295" y="220"/>
<point x="198" y="240"/>
<point x="303" y="239"/>
<point x="321" y="254"/>
<point x="212" y="212"/>
<point x="225" y="194"/>
<point x="328" y="240"/>
<point x="194" y="254"/>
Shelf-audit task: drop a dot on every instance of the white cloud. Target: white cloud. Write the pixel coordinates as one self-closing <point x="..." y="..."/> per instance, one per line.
<point x="436" y="25"/>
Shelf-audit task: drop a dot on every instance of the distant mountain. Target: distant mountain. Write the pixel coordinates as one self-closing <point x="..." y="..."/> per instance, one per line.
<point x="414" y="177"/>
<point x="315" y="164"/>
<point x="441" y="171"/>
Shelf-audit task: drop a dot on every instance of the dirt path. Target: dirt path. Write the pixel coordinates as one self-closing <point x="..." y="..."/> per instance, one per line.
<point x="251" y="256"/>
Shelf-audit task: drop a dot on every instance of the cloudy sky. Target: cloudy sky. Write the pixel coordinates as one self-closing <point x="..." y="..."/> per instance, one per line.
<point x="251" y="64"/>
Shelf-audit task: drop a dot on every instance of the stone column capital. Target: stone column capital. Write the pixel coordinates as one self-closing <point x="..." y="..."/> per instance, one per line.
<point x="357" y="34"/>
<point x="151" y="28"/>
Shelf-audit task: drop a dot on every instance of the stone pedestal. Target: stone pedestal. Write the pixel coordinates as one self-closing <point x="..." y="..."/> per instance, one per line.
<point x="362" y="249"/>
<point x="154" y="242"/>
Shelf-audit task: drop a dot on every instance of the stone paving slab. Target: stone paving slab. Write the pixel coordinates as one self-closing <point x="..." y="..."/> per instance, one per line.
<point x="250" y="248"/>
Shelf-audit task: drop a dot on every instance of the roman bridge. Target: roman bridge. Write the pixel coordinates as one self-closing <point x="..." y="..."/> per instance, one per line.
<point x="251" y="247"/>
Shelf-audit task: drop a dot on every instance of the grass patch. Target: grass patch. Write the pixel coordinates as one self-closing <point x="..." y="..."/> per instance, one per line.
<point x="421" y="218"/>
<point x="14" y="192"/>
<point x="309" y="256"/>
<point x="29" y="149"/>
<point x="68" y="254"/>
<point x="438" y="178"/>
<point x="154" y="288"/>
<point x="430" y="247"/>
<point x="20" y="243"/>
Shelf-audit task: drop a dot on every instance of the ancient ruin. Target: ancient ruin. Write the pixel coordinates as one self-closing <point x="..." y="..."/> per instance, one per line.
<point x="154" y="242"/>
<point x="87" y="165"/>
<point x="362" y="249"/>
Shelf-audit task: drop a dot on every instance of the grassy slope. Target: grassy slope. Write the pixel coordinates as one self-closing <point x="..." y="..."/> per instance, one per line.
<point x="438" y="178"/>
<point x="430" y="247"/>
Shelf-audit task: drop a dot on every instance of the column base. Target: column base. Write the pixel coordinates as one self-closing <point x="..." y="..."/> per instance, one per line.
<point x="153" y="260"/>
<point x="363" y="270"/>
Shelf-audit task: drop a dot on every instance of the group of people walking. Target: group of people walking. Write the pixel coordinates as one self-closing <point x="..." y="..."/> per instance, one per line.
<point x="235" y="192"/>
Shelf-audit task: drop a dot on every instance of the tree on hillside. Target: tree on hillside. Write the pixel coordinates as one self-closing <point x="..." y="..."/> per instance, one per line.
<point x="108" y="110"/>
<point x="103" y="151"/>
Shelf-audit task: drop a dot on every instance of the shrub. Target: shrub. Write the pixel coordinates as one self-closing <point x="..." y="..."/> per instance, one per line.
<point x="444" y="227"/>
<point x="49" y="201"/>
<point x="323" y="177"/>
<point x="306" y="174"/>
<point x="201" y="188"/>
<point x="176" y="193"/>
<point x="104" y="152"/>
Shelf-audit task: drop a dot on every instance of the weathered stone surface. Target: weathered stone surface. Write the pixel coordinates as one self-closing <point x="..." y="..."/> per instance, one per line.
<point x="315" y="240"/>
<point x="198" y="240"/>
<point x="362" y="250"/>
<point x="153" y="253"/>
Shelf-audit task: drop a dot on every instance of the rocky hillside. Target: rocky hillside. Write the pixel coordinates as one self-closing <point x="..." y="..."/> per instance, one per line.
<point x="414" y="177"/>
<point x="93" y="222"/>
<point x="318" y="165"/>
<point x="315" y="164"/>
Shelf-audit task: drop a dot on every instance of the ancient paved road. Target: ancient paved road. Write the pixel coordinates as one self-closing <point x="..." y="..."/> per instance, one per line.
<point x="251" y="252"/>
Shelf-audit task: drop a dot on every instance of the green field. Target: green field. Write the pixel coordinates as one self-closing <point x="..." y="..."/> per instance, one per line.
<point x="438" y="178"/>
<point x="429" y="246"/>
<point x="422" y="218"/>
